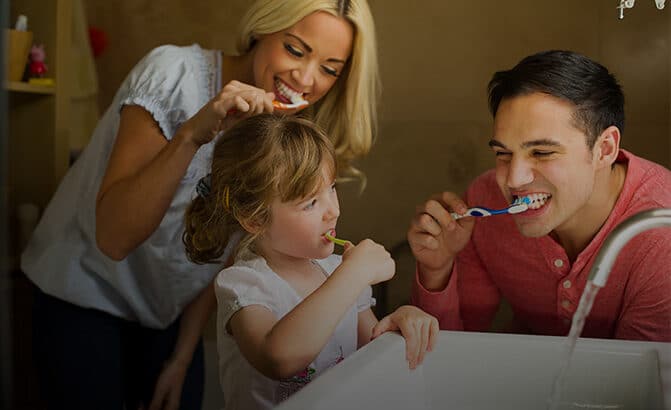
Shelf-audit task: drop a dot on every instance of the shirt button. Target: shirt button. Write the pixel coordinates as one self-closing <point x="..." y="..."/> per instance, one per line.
<point x="559" y="263"/>
<point x="565" y="304"/>
<point x="566" y="284"/>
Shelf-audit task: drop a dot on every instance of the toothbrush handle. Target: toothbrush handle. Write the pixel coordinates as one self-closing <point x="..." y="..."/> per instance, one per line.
<point x="480" y="212"/>
<point x="337" y="241"/>
<point x="341" y="242"/>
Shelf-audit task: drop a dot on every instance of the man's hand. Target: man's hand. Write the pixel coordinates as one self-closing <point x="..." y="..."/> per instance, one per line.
<point x="435" y="237"/>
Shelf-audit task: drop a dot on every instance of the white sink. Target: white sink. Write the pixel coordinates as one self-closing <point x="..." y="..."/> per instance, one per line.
<point x="475" y="371"/>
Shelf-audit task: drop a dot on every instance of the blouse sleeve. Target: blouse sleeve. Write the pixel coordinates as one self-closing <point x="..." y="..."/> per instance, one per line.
<point x="168" y="83"/>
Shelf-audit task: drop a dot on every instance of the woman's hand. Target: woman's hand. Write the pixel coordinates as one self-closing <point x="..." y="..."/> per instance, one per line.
<point x="419" y="329"/>
<point x="168" y="390"/>
<point x="370" y="258"/>
<point x="234" y="102"/>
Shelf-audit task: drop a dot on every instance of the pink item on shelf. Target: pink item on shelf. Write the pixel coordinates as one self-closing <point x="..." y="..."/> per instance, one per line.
<point x="37" y="67"/>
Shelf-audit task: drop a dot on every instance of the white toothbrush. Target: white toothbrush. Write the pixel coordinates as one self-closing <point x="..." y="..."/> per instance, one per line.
<point x="296" y="102"/>
<point x="284" y="106"/>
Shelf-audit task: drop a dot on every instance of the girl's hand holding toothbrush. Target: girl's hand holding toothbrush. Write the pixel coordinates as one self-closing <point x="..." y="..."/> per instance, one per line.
<point x="435" y="237"/>
<point x="369" y="258"/>
<point x="419" y="329"/>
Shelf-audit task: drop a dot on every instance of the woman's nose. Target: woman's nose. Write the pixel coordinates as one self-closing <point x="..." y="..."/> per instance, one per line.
<point x="304" y="76"/>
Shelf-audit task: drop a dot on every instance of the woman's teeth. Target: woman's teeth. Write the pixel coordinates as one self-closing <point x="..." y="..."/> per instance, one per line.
<point x="287" y="92"/>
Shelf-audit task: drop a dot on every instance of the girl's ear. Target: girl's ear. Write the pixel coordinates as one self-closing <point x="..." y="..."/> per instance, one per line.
<point x="251" y="225"/>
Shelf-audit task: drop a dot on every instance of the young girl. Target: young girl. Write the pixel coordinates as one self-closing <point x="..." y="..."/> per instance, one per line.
<point x="288" y="308"/>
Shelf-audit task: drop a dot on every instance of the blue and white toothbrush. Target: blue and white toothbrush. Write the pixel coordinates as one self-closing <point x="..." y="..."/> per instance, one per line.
<point x="518" y="206"/>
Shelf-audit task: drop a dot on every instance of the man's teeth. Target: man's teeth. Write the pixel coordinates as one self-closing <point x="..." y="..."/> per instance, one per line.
<point x="293" y="96"/>
<point x="538" y="200"/>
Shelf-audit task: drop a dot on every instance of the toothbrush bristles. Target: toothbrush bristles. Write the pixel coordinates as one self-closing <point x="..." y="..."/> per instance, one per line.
<point x="284" y="106"/>
<point x="522" y="200"/>
<point x="519" y="205"/>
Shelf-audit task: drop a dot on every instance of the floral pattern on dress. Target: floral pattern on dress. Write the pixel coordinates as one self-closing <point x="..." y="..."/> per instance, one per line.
<point x="287" y="387"/>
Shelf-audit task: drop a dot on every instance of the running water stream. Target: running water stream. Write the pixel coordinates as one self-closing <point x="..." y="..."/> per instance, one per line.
<point x="642" y="221"/>
<point x="584" y="307"/>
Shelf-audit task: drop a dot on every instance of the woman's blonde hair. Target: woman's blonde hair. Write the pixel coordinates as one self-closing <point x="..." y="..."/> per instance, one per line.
<point x="261" y="158"/>
<point x="348" y="112"/>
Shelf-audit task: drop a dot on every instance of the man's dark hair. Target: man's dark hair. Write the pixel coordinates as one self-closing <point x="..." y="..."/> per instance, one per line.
<point x="595" y="93"/>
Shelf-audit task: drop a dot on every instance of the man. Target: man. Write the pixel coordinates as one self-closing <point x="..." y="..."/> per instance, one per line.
<point x="558" y="121"/>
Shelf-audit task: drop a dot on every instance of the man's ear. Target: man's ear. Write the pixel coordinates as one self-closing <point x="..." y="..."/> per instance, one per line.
<point x="607" y="146"/>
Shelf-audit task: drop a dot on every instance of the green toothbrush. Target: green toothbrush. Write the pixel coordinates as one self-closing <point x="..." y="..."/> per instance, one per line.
<point x="335" y="240"/>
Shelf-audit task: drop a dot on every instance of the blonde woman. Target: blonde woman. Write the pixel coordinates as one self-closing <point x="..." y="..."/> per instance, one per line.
<point x="348" y="112"/>
<point x="120" y="309"/>
<point x="288" y="308"/>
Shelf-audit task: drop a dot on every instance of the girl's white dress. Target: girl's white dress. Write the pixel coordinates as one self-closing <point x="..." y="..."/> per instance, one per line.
<point x="252" y="282"/>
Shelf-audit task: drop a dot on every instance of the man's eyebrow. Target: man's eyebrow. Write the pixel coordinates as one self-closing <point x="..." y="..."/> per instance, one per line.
<point x="527" y="144"/>
<point x="494" y="143"/>
<point x="542" y="141"/>
<point x="309" y="49"/>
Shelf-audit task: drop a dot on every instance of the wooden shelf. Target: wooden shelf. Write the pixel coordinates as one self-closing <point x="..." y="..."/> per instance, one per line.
<point x="39" y="114"/>
<point x="24" y="87"/>
<point x="38" y="153"/>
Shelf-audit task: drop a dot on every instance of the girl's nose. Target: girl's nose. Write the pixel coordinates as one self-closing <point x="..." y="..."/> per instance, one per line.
<point x="333" y="210"/>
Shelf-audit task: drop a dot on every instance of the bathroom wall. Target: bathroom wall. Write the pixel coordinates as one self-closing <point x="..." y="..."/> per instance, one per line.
<point x="436" y="62"/>
<point x="436" y="59"/>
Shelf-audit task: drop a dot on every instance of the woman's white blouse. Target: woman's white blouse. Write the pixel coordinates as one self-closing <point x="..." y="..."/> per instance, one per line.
<point x="153" y="283"/>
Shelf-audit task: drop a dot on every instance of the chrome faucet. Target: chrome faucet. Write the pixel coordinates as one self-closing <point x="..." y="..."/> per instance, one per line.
<point x="631" y="227"/>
